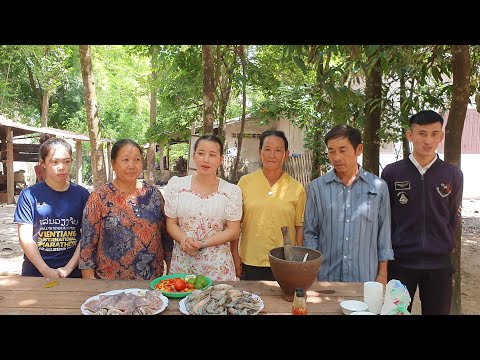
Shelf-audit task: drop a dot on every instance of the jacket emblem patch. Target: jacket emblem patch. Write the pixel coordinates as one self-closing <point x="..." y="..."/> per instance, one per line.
<point x="402" y="185"/>
<point x="402" y="197"/>
<point x="444" y="189"/>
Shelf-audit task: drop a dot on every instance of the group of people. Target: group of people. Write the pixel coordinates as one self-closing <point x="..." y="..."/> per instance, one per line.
<point x="400" y="226"/>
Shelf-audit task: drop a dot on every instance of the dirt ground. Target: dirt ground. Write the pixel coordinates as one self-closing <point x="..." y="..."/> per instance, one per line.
<point x="11" y="254"/>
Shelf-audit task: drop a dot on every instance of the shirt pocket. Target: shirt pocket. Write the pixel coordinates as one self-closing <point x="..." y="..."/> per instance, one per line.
<point x="367" y="208"/>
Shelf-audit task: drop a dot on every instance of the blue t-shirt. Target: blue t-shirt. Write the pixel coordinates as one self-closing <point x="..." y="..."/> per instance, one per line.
<point x="56" y="217"/>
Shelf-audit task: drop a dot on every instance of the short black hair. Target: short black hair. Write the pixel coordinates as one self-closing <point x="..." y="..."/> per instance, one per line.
<point x="425" y="117"/>
<point x="345" y="131"/>
<point x="276" y="133"/>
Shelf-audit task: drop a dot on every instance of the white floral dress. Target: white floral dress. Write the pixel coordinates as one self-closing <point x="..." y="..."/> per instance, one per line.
<point x="200" y="216"/>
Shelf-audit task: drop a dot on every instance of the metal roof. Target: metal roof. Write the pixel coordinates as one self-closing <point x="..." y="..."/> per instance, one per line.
<point x="20" y="129"/>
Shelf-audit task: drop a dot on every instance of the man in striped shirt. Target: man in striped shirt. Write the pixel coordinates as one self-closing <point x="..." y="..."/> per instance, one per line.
<point x="347" y="215"/>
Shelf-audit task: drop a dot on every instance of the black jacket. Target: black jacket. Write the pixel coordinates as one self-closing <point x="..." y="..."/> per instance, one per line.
<point x="425" y="212"/>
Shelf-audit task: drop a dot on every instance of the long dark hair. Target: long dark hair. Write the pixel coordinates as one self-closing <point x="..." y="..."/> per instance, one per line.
<point x="209" y="137"/>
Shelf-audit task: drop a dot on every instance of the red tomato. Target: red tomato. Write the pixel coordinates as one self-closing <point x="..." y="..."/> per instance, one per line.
<point x="179" y="284"/>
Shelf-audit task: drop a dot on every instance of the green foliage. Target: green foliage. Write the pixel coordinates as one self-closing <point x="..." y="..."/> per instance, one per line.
<point x="49" y="70"/>
<point x="179" y="89"/>
<point x="315" y="86"/>
<point x="123" y="103"/>
<point x="177" y="150"/>
<point x="17" y="100"/>
<point x="293" y="102"/>
<point x="66" y="105"/>
<point x="174" y="126"/>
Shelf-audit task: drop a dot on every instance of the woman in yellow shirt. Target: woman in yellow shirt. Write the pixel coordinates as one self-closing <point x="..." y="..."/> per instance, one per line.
<point x="271" y="199"/>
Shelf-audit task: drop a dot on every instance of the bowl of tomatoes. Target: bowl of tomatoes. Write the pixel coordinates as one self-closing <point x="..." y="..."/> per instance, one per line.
<point x="180" y="285"/>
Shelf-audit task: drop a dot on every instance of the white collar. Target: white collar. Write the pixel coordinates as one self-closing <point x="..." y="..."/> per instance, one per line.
<point x="421" y="169"/>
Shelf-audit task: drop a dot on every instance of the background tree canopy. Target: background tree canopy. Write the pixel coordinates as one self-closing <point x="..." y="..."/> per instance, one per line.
<point x="315" y="86"/>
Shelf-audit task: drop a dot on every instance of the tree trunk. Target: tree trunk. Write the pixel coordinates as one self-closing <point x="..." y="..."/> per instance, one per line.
<point x="219" y="66"/>
<point x="150" y="178"/>
<point x="405" y="144"/>
<point x="404" y="117"/>
<point x="44" y="118"/>
<point x="319" y="162"/>
<point x="371" y="140"/>
<point x="453" y="149"/>
<point x="161" y="155"/>
<point x="150" y="171"/>
<point x="90" y="98"/>
<point x="241" y="52"/>
<point x="208" y="88"/>
<point x="45" y="97"/>
<point x="35" y="88"/>
<point x="225" y="90"/>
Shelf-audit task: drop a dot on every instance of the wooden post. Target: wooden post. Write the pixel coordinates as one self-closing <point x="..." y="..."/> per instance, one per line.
<point x="109" y="163"/>
<point x="10" y="175"/>
<point x="3" y="148"/>
<point x="78" y="148"/>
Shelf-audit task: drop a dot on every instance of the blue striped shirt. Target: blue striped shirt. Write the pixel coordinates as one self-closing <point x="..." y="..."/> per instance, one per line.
<point x="350" y="226"/>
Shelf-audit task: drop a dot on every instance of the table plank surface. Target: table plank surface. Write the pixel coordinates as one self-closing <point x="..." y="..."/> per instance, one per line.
<point x="28" y="295"/>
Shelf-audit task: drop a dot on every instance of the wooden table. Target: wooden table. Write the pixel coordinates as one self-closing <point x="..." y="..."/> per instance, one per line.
<point x="28" y="295"/>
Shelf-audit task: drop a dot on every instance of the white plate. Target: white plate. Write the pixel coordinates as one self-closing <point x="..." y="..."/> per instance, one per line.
<point x="140" y="292"/>
<point x="183" y="307"/>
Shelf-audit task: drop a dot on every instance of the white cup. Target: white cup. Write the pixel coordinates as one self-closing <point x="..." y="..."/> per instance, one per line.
<point x="373" y="296"/>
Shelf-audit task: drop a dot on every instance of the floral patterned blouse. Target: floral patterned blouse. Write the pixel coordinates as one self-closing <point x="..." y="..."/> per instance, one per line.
<point x="200" y="216"/>
<point x="124" y="236"/>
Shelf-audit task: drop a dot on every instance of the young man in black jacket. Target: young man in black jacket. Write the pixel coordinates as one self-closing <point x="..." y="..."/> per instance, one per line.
<point x="425" y="198"/>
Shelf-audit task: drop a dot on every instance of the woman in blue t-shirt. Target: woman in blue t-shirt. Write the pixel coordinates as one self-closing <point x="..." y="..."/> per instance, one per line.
<point x="49" y="216"/>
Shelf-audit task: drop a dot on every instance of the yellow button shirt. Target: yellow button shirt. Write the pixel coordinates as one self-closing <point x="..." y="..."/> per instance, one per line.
<point x="266" y="209"/>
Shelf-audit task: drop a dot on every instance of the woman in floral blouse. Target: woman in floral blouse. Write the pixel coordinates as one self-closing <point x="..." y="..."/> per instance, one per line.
<point x="123" y="231"/>
<point x="203" y="215"/>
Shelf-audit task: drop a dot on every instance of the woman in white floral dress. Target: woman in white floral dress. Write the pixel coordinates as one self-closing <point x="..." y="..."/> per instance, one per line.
<point x="203" y="216"/>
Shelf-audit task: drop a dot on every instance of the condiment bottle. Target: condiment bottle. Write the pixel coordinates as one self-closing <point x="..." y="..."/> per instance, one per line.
<point x="299" y="305"/>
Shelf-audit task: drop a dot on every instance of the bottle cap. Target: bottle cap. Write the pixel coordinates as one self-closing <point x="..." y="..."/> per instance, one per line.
<point x="299" y="292"/>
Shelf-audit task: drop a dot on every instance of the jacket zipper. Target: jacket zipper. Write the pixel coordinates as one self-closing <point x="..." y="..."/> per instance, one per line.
<point x="424" y="222"/>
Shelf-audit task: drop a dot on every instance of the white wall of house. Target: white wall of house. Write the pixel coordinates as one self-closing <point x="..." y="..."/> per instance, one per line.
<point x="295" y="136"/>
<point x="251" y="141"/>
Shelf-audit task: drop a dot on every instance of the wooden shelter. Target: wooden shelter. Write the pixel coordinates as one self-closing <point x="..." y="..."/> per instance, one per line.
<point x="10" y="151"/>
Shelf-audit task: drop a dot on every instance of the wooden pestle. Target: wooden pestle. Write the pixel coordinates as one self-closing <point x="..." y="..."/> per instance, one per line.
<point x="287" y="246"/>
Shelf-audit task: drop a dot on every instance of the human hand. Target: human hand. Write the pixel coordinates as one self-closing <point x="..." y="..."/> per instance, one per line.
<point x="237" y="260"/>
<point x="190" y="246"/>
<point x="51" y="273"/>
<point x="63" y="272"/>
<point x="197" y="243"/>
<point x="382" y="278"/>
<point x="238" y="269"/>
